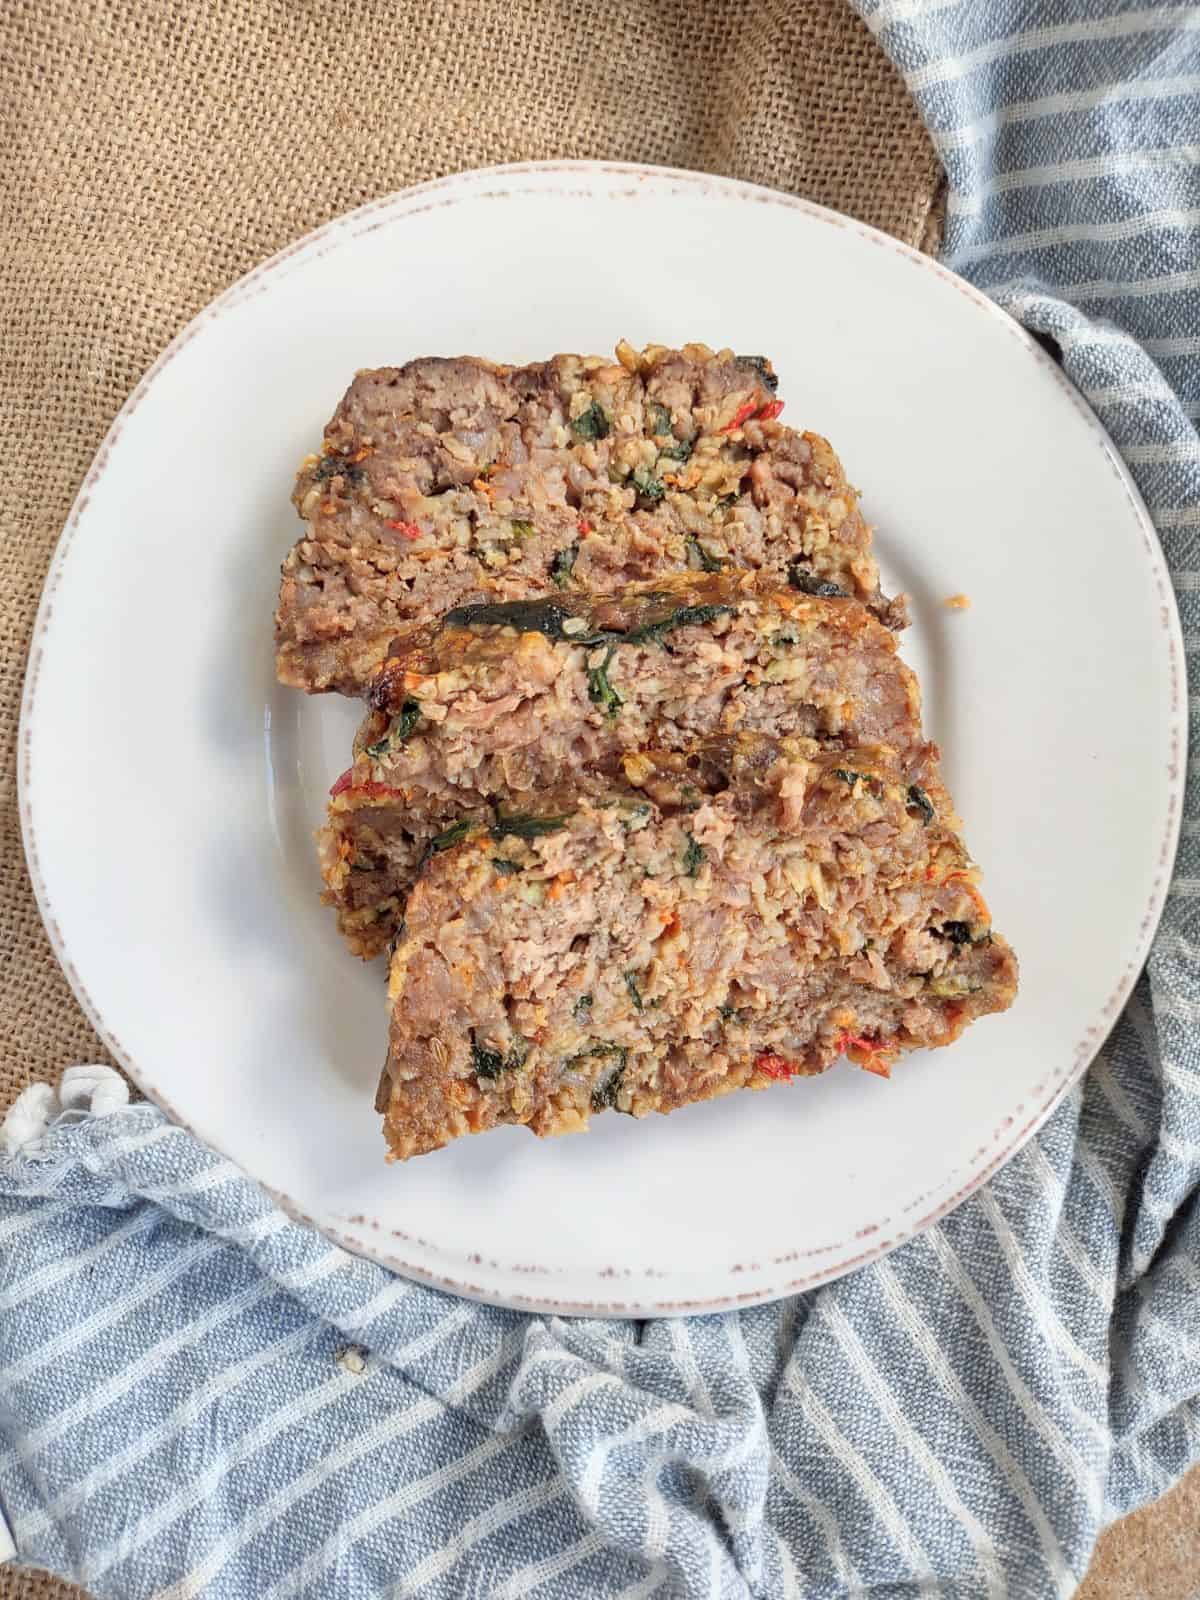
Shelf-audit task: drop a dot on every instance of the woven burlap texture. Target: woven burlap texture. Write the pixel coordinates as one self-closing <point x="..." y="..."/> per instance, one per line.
<point x="154" y="153"/>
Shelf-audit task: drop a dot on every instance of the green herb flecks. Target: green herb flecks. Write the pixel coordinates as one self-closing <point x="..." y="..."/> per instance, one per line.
<point x="681" y="617"/>
<point x="548" y="617"/>
<point x="335" y="466"/>
<point x="703" y="560"/>
<point x="763" y="367"/>
<point x="804" y="579"/>
<point x="491" y="1063"/>
<point x="508" y="868"/>
<point x="604" y="1093"/>
<point x="526" y="616"/>
<point x="727" y="1013"/>
<point x="599" y="1047"/>
<point x="592" y="423"/>
<point x="649" y="488"/>
<point x="919" y="801"/>
<point x="693" y="856"/>
<point x="960" y="933"/>
<point x="521" y="528"/>
<point x="563" y="565"/>
<point x="662" y="427"/>
<point x="410" y="715"/>
<point x="635" y="994"/>
<point x="680" y="450"/>
<point x="600" y="688"/>
<point x="868" y="780"/>
<point x="449" y="837"/>
<point x="398" y="733"/>
<point x="582" y="1007"/>
<point x="528" y="827"/>
<point x="783" y="640"/>
<point x="485" y="1063"/>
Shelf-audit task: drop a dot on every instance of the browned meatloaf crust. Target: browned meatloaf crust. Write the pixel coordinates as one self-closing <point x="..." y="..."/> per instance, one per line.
<point x="638" y="956"/>
<point x="500" y="701"/>
<point x="452" y="480"/>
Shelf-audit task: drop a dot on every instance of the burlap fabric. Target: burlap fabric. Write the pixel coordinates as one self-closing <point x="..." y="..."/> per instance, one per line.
<point x="154" y="153"/>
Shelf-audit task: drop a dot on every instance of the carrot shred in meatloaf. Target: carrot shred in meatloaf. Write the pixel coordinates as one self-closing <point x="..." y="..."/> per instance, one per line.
<point x="447" y="481"/>
<point x="774" y="906"/>
<point x="498" y="701"/>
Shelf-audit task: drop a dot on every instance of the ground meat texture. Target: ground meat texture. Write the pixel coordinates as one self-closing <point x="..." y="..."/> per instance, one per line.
<point x="452" y="480"/>
<point x="636" y="956"/>
<point x="494" y="705"/>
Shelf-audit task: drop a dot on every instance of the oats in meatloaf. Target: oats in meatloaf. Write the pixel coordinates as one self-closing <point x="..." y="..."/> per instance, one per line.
<point x="499" y="701"/>
<point x="635" y="956"/>
<point x="452" y="480"/>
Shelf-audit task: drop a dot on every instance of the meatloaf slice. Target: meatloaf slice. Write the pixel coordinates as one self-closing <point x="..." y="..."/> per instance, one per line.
<point x="447" y="481"/>
<point x="634" y="955"/>
<point x="500" y="701"/>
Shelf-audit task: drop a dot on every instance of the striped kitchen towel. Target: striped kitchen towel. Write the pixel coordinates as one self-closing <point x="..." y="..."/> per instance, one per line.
<point x="198" y="1396"/>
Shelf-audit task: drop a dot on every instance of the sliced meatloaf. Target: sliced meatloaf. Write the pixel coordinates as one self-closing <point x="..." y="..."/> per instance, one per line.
<point x="447" y="481"/>
<point x="776" y="907"/>
<point x="500" y="701"/>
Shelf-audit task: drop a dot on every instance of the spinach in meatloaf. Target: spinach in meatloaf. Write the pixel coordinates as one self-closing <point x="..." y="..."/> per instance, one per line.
<point x="641" y="808"/>
<point x="613" y="975"/>
<point x="454" y="481"/>
<point x="566" y="691"/>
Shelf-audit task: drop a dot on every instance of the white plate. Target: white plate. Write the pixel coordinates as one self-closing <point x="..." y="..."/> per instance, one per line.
<point x="170" y="790"/>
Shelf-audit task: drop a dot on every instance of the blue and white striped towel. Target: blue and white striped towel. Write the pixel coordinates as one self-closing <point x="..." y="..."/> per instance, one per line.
<point x="199" y="1397"/>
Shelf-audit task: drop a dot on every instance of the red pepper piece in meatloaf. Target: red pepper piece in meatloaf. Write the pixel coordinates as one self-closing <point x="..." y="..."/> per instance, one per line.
<point x="635" y="956"/>
<point x="500" y="701"/>
<point x="447" y="481"/>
